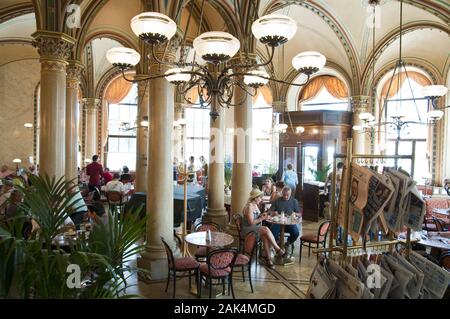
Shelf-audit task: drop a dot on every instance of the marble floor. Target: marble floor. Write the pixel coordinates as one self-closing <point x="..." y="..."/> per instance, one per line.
<point x="283" y="282"/>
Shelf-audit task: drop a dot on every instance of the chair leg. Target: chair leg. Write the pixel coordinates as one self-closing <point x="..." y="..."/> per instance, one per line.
<point x="174" y="283"/>
<point x="317" y="253"/>
<point x="190" y="286"/>
<point x="168" y="280"/>
<point x="223" y="286"/>
<point x="250" y="276"/>
<point x="210" y="287"/>
<point x="300" y="255"/>
<point x="199" y="284"/>
<point x="309" y="249"/>
<point x="243" y="275"/>
<point x="230" y="278"/>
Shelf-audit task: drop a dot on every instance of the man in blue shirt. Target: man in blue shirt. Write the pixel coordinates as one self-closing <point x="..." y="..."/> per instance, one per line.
<point x="288" y="205"/>
<point x="290" y="178"/>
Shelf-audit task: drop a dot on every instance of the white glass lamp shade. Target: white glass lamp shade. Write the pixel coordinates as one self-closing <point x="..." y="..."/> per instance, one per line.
<point x="216" y="46"/>
<point x="182" y="121"/>
<point x="365" y="116"/>
<point x="17" y="160"/>
<point x="28" y="125"/>
<point x="257" y="79"/>
<point x="299" y="129"/>
<point x="357" y="128"/>
<point x="153" y="27"/>
<point x="175" y="76"/>
<point x="434" y="90"/>
<point x="176" y="124"/>
<point x="309" y="62"/>
<point x="435" y="115"/>
<point x="397" y="114"/>
<point x="144" y="123"/>
<point x="123" y="58"/>
<point x="87" y="160"/>
<point x="274" y="29"/>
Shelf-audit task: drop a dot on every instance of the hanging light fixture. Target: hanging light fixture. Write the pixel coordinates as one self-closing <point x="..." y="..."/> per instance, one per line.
<point x="215" y="83"/>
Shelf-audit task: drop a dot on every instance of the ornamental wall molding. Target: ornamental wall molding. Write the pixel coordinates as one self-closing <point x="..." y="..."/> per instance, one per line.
<point x="359" y="103"/>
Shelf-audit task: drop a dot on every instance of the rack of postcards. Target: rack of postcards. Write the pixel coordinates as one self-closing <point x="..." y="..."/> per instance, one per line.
<point x="377" y="199"/>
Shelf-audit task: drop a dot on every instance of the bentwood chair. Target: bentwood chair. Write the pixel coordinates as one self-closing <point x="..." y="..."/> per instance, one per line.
<point x="175" y="265"/>
<point x="244" y="259"/>
<point x="115" y="200"/>
<point x="201" y="252"/>
<point x="238" y="222"/>
<point x="314" y="238"/>
<point x="219" y="266"/>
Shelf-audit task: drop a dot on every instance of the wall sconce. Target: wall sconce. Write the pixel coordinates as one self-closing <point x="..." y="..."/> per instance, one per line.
<point x="17" y="161"/>
<point x="299" y="129"/>
<point x="28" y="125"/>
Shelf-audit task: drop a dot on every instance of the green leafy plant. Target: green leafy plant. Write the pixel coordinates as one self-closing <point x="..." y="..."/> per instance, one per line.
<point x="321" y="175"/>
<point x="33" y="266"/>
<point x="228" y="167"/>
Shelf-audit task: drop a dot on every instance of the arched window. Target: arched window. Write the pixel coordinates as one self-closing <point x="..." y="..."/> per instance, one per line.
<point x="197" y="133"/>
<point x="122" y="132"/>
<point x="262" y="134"/>
<point x="324" y="93"/>
<point x="410" y="138"/>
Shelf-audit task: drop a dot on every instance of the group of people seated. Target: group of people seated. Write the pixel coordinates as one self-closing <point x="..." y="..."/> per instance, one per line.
<point x="282" y="203"/>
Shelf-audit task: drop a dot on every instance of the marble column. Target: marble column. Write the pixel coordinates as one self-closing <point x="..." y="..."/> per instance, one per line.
<point x="361" y="141"/>
<point x="54" y="50"/>
<point x="91" y="105"/>
<point x="160" y="174"/>
<point x="142" y="135"/>
<point x="73" y="70"/>
<point x="242" y="167"/>
<point x="216" y="173"/>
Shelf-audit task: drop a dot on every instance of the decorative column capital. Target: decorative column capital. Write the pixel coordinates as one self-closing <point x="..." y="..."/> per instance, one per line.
<point x="53" y="45"/>
<point x="279" y="106"/>
<point x="73" y="71"/>
<point x="91" y="105"/>
<point x="359" y="103"/>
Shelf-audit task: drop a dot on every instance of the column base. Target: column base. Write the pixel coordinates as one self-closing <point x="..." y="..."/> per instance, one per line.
<point x="218" y="216"/>
<point x="154" y="259"/>
<point x="232" y="230"/>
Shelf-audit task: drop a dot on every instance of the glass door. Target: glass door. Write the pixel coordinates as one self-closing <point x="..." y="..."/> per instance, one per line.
<point x="310" y="155"/>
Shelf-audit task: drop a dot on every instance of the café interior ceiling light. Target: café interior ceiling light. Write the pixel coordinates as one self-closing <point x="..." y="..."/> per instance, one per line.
<point x="366" y="116"/>
<point x="434" y="91"/>
<point x="300" y="129"/>
<point x="144" y="123"/>
<point x="17" y="161"/>
<point x="216" y="81"/>
<point x="435" y="115"/>
<point x="28" y="125"/>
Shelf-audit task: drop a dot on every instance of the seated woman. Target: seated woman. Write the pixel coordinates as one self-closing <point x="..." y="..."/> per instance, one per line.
<point x="268" y="187"/>
<point x="126" y="176"/>
<point x="252" y="222"/>
<point x="277" y="194"/>
<point x="97" y="214"/>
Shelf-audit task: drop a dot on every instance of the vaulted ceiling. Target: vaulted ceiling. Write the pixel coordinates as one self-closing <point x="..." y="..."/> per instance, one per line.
<point x="339" y="29"/>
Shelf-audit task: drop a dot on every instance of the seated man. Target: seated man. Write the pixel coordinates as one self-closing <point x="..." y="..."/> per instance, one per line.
<point x="97" y="214"/>
<point x="289" y="206"/>
<point x="115" y="185"/>
<point x="78" y="208"/>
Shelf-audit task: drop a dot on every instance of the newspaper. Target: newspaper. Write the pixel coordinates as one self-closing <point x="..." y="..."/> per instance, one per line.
<point x="416" y="210"/>
<point x="415" y="286"/>
<point x="436" y="279"/>
<point x="347" y="286"/>
<point x="322" y="284"/>
<point x="403" y="277"/>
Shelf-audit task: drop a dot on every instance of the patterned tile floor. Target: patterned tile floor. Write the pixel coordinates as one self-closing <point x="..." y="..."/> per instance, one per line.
<point x="283" y="282"/>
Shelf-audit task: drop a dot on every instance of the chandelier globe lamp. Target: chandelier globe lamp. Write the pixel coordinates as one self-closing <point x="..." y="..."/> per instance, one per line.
<point x="216" y="81"/>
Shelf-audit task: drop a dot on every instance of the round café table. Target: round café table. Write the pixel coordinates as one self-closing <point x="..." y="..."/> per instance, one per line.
<point x="218" y="239"/>
<point x="288" y="220"/>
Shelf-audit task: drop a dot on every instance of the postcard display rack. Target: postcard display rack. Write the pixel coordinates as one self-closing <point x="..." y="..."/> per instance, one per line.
<point x="344" y="270"/>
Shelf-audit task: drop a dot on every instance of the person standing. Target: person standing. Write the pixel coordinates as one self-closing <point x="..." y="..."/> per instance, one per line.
<point x="94" y="170"/>
<point x="204" y="170"/>
<point x="290" y="178"/>
<point x="191" y="169"/>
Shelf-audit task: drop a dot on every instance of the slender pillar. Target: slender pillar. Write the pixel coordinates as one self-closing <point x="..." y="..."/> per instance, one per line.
<point x="241" y="184"/>
<point x="142" y="135"/>
<point x="159" y="178"/>
<point x="74" y="70"/>
<point x="216" y="173"/>
<point x="54" y="49"/>
<point x="91" y="105"/>
<point x="361" y="141"/>
<point x="179" y="133"/>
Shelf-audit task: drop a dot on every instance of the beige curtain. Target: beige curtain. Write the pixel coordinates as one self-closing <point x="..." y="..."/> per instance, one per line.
<point x="266" y="93"/>
<point x="398" y="81"/>
<point x="333" y="85"/>
<point x="117" y="90"/>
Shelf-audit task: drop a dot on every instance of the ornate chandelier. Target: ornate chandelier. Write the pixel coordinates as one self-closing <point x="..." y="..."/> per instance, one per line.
<point x="216" y="81"/>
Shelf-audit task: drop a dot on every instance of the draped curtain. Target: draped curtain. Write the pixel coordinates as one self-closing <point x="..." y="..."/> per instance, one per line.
<point x="334" y="86"/>
<point x="398" y="81"/>
<point x="266" y="94"/>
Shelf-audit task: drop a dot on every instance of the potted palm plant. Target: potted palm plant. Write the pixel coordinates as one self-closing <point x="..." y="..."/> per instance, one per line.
<point x="33" y="266"/>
